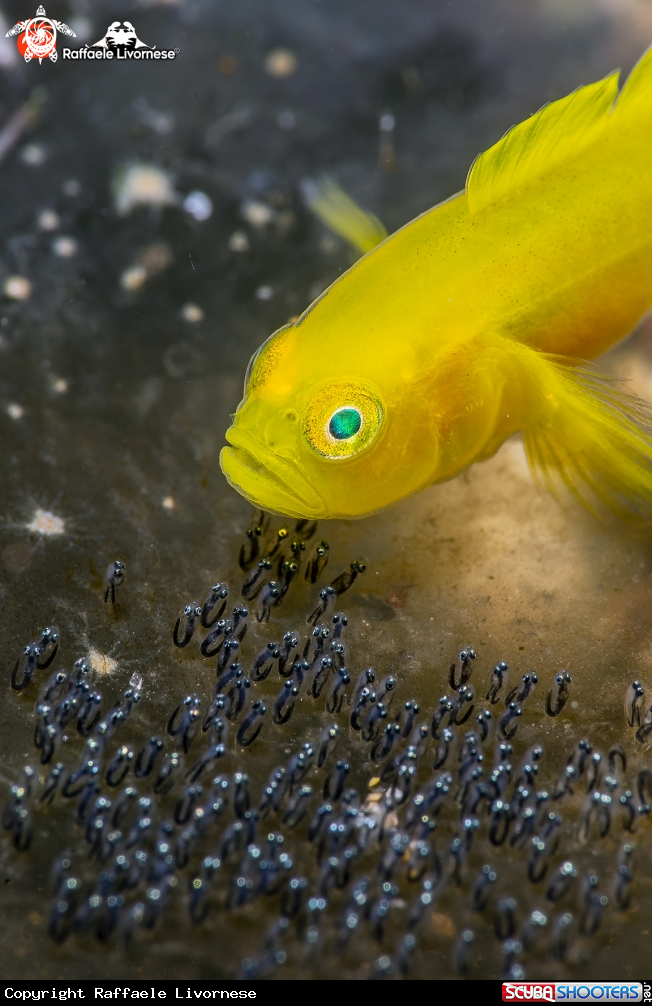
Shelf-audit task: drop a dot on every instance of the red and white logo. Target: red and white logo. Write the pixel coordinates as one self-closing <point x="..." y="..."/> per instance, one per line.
<point x="522" y="991"/>
<point x="37" y="37"/>
<point x="572" y="991"/>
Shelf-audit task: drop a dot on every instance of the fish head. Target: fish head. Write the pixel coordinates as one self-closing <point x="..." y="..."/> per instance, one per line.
<point x="326" y="434"/>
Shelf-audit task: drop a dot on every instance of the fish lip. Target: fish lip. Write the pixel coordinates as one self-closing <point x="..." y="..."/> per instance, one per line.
<point x="284" y="473"/>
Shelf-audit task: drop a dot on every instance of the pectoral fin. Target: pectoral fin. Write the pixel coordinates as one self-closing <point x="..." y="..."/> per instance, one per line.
<point x="586" y="436"/>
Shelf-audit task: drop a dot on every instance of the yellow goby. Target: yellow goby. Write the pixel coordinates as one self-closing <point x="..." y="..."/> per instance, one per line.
<point x="469" y="324"/>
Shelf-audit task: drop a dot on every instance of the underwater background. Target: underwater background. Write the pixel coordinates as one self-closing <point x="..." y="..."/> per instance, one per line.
<point x="153" y="235"/>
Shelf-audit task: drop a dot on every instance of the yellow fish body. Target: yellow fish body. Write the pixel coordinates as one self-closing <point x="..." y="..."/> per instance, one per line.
<point x="470" y="324"/>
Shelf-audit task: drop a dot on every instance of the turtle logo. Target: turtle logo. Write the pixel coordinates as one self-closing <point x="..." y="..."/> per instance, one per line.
<point x="37" y="37"/>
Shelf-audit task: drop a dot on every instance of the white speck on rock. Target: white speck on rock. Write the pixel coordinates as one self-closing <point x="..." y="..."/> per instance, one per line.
<point x="46" y="523"/>
<point x="143" y="185"/>
<point x="101" y="662"/>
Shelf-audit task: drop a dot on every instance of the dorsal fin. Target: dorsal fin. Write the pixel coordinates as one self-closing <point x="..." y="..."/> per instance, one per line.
<point x="542" y="142"/>
<point x="635" y="100"/>
<point x="335" y="208"/>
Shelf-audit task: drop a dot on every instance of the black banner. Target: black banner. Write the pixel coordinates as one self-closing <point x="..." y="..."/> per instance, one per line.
<point x="98" y="991"/>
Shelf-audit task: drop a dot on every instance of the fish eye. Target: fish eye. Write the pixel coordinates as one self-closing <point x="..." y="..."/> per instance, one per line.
<point x="345" y="423"/>
<point x="342" y="420"/>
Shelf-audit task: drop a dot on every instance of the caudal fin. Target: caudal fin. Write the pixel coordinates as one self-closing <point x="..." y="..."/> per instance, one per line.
<point x="590" y="438"/>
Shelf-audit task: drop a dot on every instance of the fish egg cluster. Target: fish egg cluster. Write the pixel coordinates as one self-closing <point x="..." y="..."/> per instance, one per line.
<point x="353" y="833"/>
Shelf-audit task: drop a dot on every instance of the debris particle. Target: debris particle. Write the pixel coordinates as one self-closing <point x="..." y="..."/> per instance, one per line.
<point x="152" y="260"/>
<point x="227" y="65"/>
<point x="136" y="681"/>
<point x="46" y="523"/>
<point x="192" y="313"/>
<point x="17" y="287"/>
<point x="387" y="154"/>
<point x="239" y="242"/>
<point x="58" y="384"/>
<point x="72" y="188"/>
<point x="64" y="247"/>
<point x="257" y="214"/>
<point x="328" y="244"/>
<point x="161" y="122"/>
<point x="239" y="118"/>
<point x="8" y="51"/>
<point x="281" y="63"/>
<point x="198" y="205"/>
<point x="15" y="411"/>
<point x="100" y="662"/>
<point x="156" y="257"/>
<point x="287" y="119"/>
<point x="143" y="185"/>
<point x="33" y="155"/>
<point x="182" y="359"/>
<point x="168" y="503"/>
<point x="133" y="278"/>
<point x="48" y="220"/>
<point x="264" y="292"/>
<point x="23" y="117"/>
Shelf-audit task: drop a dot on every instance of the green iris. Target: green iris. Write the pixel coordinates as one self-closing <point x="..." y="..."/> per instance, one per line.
<point x="344" y="424"/>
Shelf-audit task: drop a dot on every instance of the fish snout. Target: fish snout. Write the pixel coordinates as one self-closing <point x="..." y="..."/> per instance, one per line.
<point x="276" y="483"/>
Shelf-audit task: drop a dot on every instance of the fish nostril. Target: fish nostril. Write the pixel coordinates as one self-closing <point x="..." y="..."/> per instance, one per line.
<point x="291" y="416"/>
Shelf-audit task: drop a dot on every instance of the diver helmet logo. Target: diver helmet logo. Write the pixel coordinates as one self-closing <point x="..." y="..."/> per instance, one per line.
<point x="37" y="37"/>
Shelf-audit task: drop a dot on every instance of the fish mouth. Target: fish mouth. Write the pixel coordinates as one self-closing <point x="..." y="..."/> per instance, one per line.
<point x="268" y="481"/>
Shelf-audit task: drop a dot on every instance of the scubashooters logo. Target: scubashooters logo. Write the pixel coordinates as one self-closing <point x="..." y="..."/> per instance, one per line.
<point x="120" y="42"/>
